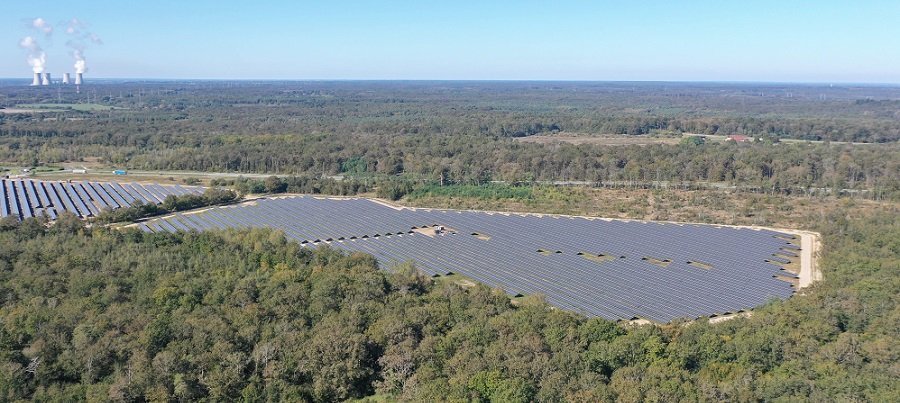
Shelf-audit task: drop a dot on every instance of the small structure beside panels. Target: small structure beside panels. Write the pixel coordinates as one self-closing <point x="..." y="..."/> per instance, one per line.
<point x="615" y="269"/>
<point x="25" y="198"/>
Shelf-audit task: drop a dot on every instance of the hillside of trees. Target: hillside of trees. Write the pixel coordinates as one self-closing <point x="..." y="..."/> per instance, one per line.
<point x="99" y="314"/>
<point x="478" y="160"/>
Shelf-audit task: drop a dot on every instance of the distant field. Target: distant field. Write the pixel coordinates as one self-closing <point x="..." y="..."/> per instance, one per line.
<point x="610" y="140"/>
<point x="98" y="172"/>
<point x="641" y="140"/>
<point x="25" y="108"/>
<point x="10" y="111"/>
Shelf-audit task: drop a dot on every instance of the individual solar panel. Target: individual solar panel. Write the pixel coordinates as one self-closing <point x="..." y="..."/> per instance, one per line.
<point x="23" y="200"/>
<point x="85" y="199"/>
<point x="107" y="198"/>
<point x="150" y="191"/>
<point x="12" y="199"/>
<point x="160" y="190"/>
<point x="33" y="198"/>
<point x="4" y="207"/>
<point x="138" y="195"/>
<point x="42" y="194"/>
<point x="76" y="200"/>
<point x="184" y="190"/>
<point x="112" y="194"/>
<point x="129" y="199"/>
<point x="56" y="204"/>
<point x="147" y="193"/>
<point x="64" y="198"/>
<point x="100" y="200"/>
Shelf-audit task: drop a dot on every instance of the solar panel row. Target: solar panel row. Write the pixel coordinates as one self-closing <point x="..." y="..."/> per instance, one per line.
<point x="609" y="268"/>
<point x="25" y="198"/>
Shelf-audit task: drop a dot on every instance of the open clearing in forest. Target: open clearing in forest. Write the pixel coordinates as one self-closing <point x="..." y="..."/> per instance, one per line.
<point x="64" y="107"/>
<point x="608" y="140"/>
<point x="643" y="140"/>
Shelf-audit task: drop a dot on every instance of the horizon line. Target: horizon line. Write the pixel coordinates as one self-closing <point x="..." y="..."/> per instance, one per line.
<point x="484" y="80"/>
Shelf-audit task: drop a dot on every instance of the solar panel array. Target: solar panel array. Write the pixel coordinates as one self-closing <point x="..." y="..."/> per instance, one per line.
<point x="609" y="268"/>
<point x="25" y="198"/>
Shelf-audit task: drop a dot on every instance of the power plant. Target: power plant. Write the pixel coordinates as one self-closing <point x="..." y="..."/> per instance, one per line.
<point x="44" y="79"/>
<point x="79" y="40"/>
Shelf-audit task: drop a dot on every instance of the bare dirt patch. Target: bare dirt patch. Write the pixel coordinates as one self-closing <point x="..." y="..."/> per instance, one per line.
<point x="456" y="279"/>
<point x="610" y="140"/>
<point x="596" y="258"/>
<point x="700" y="265"/>
<point x="386" y="203"/>
<point x="657" y="262"/>
<point x="427" y="231"/>
<point x="723" y="318"/>
<point x="792" y="280"/>
<point x="811" y="244"/>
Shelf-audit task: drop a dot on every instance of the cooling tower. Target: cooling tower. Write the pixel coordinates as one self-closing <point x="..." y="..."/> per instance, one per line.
<point x="37" y="79"/>
<point x="46" y="79"/>
<point x="78" y="79"/>
<point x="65" y="78"/>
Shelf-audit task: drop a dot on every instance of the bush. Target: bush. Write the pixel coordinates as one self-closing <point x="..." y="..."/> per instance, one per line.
<point x="172" y="203"/>
<point x="492" y="191"/>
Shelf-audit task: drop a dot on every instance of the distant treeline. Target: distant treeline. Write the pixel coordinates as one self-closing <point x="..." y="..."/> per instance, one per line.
<point x="463" y="133"/>
<point x="865" y="113"/>
<point x="478" y="160"/>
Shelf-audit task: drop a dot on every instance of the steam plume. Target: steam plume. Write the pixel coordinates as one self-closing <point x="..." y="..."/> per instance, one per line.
<point x="40" y="24"/>
<point x="80" y="38"/>
<point x="36" y="56"/>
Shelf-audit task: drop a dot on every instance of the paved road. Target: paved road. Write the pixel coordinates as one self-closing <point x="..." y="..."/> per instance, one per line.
<point x="155" y="174"/>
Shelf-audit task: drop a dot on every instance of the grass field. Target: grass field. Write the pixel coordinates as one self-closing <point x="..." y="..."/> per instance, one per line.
<point x="641" y="140"/>
<point x="707" y="206"/>
<point x="606" y="140"/>
<point x="102" y="172"/>
<point x="62" y="107"/>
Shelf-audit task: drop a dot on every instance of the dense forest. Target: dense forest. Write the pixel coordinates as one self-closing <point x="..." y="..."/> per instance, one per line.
<point x="463" y="132"/>
<point x="99" y="314"/>
<point x="505" y="109"/>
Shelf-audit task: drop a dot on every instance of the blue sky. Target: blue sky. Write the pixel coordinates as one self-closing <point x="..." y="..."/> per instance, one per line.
<point x="803" y="41"/>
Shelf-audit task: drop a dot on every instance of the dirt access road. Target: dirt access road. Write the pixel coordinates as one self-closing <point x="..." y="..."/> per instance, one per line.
<point x="643" y="140"/>
<point x="140" y="175"/>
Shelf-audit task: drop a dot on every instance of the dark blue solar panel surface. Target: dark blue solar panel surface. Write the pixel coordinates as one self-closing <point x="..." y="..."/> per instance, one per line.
<point x="738" y="266"/>
<point x="26" y="198"/>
